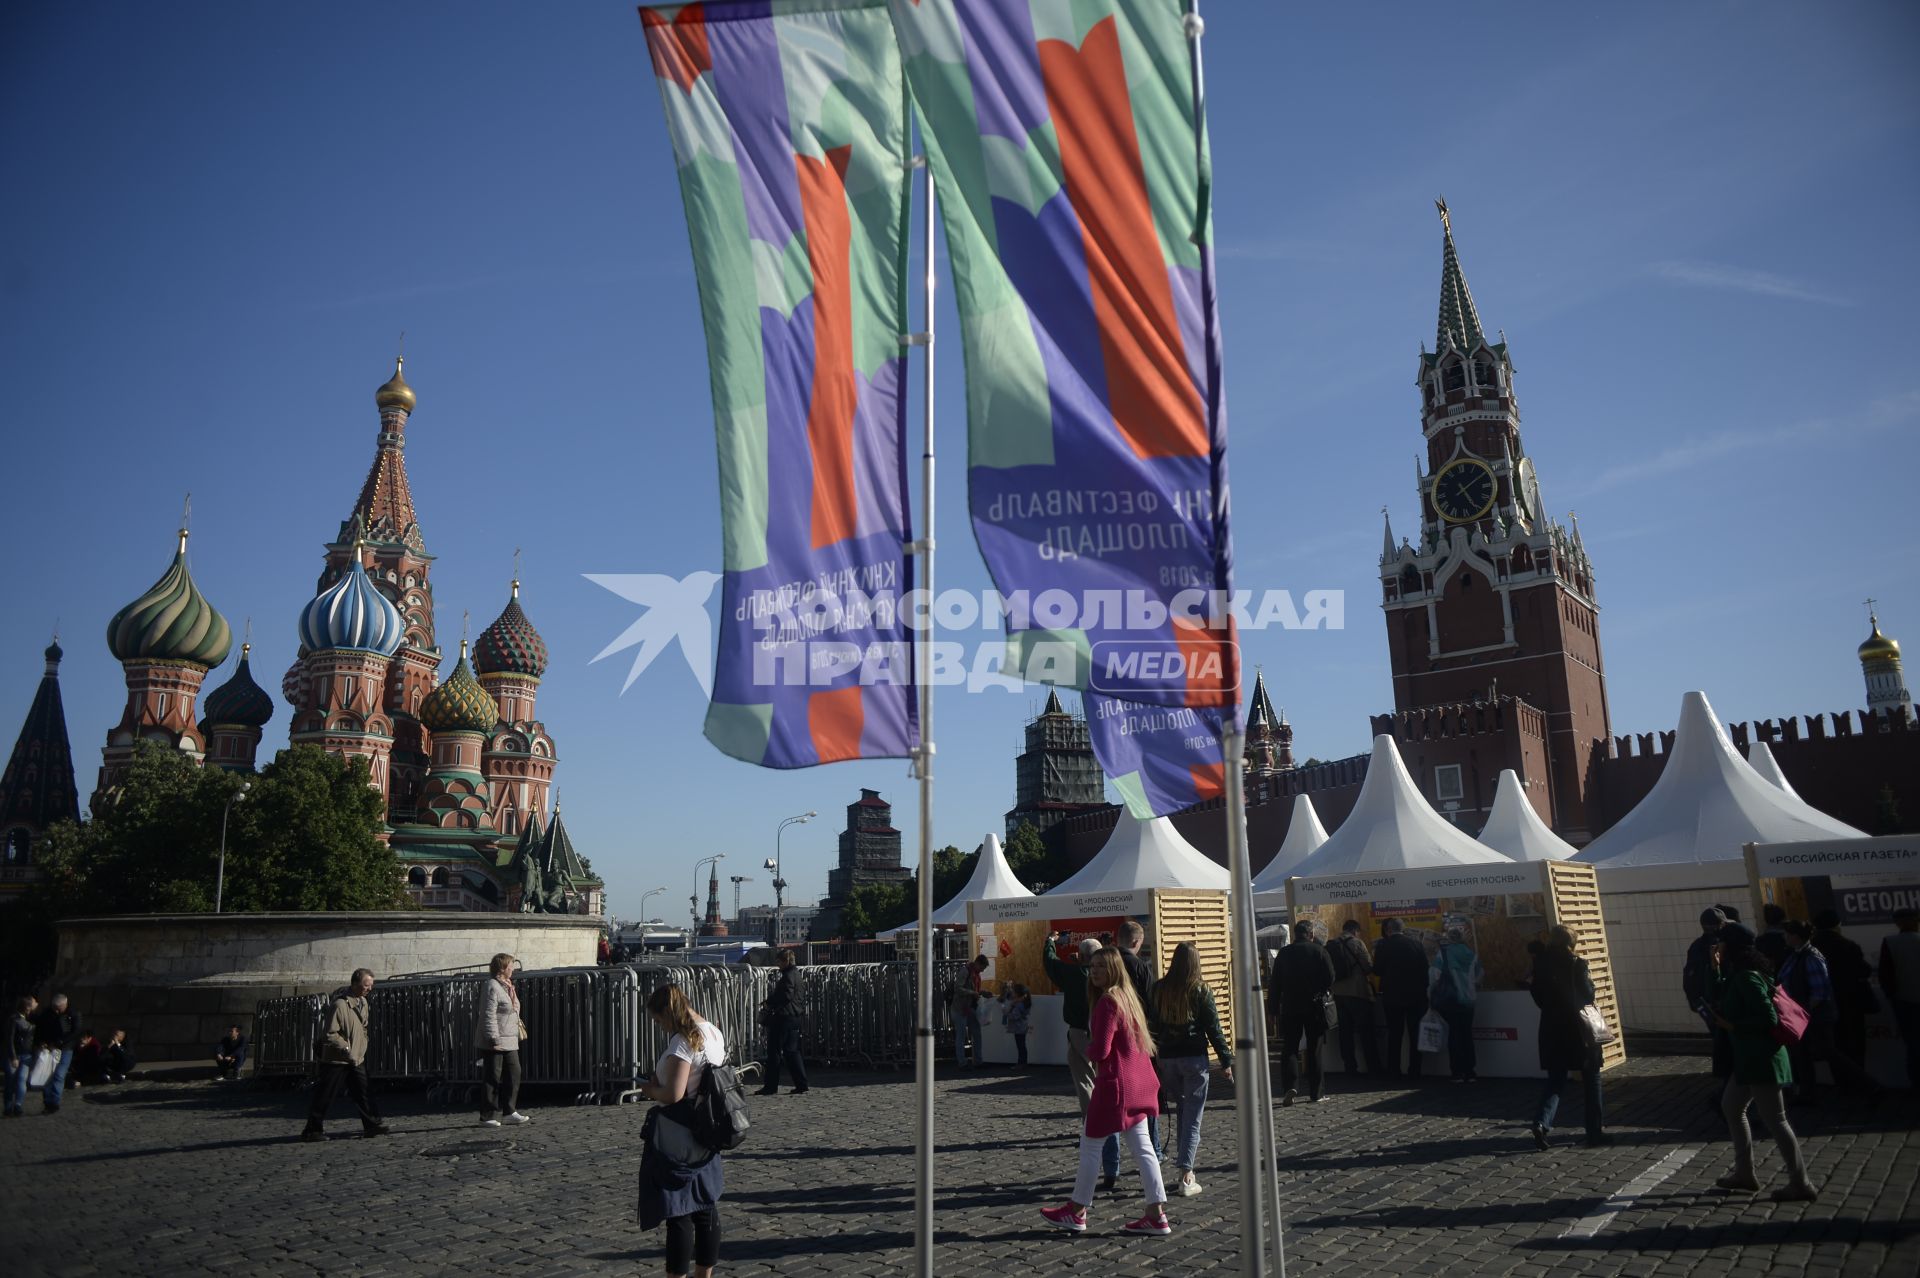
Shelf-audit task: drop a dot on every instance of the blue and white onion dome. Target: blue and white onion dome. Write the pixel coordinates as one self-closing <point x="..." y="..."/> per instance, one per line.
<point x="352" y="613"/>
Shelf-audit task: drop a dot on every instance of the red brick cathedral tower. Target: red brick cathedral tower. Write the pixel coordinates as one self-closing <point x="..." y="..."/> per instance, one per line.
<point x="1494" y="602"/>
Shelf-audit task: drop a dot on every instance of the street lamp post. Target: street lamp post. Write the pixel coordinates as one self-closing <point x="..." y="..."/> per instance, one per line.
<point x="695" y="898"/>
<point x="220" y="883"/>
<point x="646" y="896"/>
<point x="780" y="883"/>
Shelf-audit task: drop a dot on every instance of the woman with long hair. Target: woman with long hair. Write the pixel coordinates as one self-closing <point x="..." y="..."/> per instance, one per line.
<point x="1126" y="1092"/>
<point x="1561" y="987"/>
<point x="1743" y="1006"/>
<point x="1185" y="1020"/>
<point x="681" y="1180"/>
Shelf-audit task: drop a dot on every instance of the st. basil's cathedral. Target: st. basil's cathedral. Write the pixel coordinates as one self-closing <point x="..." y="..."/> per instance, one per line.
<point x="465" y="764"/>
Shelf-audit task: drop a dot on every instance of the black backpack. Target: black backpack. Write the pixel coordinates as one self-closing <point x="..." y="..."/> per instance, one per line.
<point x="716" y="1113"/>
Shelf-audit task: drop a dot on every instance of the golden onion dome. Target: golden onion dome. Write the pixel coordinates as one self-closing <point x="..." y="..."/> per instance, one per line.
<point x="1877" y="647"/>
<point x="395" y="393"/>
<point x="460" y="704"/>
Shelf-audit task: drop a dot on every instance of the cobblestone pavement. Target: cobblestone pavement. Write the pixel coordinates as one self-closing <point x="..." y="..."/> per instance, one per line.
<point x="193" y="1177"/>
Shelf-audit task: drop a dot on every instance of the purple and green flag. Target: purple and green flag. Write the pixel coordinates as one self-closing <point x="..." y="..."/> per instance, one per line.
<point x="789" y="126"/>
<point x="1062" y="136"/>
<point x="1162" y="759"/>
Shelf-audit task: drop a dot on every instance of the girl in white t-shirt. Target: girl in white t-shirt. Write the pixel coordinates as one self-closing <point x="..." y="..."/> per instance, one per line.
<point x="684" y="1196"/>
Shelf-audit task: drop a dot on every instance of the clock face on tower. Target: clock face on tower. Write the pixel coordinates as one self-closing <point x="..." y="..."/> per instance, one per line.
<point x="1464" y="489"/>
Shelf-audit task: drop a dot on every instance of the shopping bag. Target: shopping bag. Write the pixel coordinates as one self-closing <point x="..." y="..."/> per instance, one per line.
<point x="1791" y="1025"/>
<point x="1433" y="1033"/>
<point x="43" y="1067"/>
<point x="1594" y="1028"/>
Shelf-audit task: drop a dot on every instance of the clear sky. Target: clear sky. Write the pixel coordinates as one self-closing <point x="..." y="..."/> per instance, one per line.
<point x="1694" y="222"/>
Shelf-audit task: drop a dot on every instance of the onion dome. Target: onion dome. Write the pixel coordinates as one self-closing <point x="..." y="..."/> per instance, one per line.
<point x="1877" y="646"/>
<point x="293" y="684"/>
<point x="171" y="622"/>
<point x="53" y="654"/>
<point x="511" y="645"/>
<point x="239" y="700"/>
<point x="460" y="704"/>
<point x="352" y="613"/>
<point x="395" y="393"/>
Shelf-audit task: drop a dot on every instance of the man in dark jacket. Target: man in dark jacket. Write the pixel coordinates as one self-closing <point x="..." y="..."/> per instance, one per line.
<point x="1132" y="937"/>
<point x="1773" y="941"/>
<point x="1070" y="978"/>
<point x="783" y="1031"/>
<point x="1401" y="964"/>
<point x="58" y="1028"/>
<point x="1353" y="994"/>
<point x="1852" y="977"/>
<point x="229" y="1054"/>
<point x="1302" y="978"/>
<point x="1696" y="982"/>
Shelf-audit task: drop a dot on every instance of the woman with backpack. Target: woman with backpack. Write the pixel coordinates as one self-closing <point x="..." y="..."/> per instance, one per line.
<point x="1452" y="986"/>
<point x="1126" y="1092"/>
<point x="1743" y="1005"/>
<point x="681" y="1180"/>
<point x="1562" y="987"/>
<point x="1184" y="1021"/>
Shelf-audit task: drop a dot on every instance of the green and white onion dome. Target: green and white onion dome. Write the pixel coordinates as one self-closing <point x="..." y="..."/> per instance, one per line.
<point x="172" y="621"/>
<point x="460" y="704"/>
<point x="511" y="645"/>
<point x="239" y="700"/>
<point x="352" y="613"/>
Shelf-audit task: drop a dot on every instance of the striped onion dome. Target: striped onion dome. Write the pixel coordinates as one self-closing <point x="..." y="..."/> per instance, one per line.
<point x="239" y="700"/>
<point x="511" y="645"/>
<point x="460" y="704"/>
<point x="172" y="621"/>
<point x="293" y="684"/>
<point x="352" y="613"/>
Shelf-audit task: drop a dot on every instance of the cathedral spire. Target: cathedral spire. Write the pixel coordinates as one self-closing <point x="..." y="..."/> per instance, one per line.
<point x="384" y="511"/>
<point x="38" y="787"/>
<point x="1387" y="548"/>
<point x="1459" y="321"/>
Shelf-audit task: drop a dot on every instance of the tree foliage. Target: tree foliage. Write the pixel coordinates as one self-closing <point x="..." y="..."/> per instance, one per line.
<point x="1035" y="864"/>
<point x="305" y="837"/>
<point x="875" y="907"/>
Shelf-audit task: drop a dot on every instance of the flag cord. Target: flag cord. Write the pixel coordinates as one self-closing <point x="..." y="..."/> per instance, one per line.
<point x="923" y="765"/>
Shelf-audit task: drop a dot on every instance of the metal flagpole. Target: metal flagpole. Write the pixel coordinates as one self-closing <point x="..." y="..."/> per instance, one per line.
<point x="1259" y="1159"/>
<point x="923" y="767"/>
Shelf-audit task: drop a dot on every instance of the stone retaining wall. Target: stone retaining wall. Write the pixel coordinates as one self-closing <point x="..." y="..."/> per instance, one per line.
<point x="175" y="982"/>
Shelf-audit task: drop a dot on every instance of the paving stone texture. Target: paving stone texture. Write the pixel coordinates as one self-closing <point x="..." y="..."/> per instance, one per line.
<point x="178" y="1177"/>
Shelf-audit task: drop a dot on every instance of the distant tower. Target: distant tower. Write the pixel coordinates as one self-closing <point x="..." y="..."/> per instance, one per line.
<point x="38" y="787"/>
<point x="510" y="657"/>
<point x="350" y="631"/>
<point x="165" y="641"/>
<point x="1880" y="661"/>
<point x="1057" y="774"/>
<point x="236" y="711"/>
<point x="1269" y="735"/>
<point x="713" y="925"/>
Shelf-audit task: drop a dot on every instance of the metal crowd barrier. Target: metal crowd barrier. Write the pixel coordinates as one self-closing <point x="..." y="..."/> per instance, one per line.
<point x="588" y="1028"/>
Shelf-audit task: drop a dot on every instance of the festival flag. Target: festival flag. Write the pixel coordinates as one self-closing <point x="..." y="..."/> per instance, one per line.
<point x="1073" y="192"/>
<point x="1162" y="759"/>
<point x="789" y="129"/>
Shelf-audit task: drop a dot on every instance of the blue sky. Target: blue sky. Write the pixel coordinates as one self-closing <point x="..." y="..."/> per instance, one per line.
<point x="1694" y="223"/>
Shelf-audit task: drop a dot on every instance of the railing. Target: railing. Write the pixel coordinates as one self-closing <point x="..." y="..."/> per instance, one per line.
<point x="588" y="1028"/>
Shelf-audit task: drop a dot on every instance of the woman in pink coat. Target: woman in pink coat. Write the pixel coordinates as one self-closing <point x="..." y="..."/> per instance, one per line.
<point x="1126" y="1092"/>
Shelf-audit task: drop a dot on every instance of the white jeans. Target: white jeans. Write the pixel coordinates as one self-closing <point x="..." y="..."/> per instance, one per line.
<point x="1134" y="1140"/>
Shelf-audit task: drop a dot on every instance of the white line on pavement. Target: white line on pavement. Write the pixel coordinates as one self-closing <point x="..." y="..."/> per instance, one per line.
<point x="1588" y="1226"/>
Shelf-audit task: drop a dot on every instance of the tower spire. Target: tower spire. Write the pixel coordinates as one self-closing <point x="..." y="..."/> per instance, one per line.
<point x="1459" y="321"/>
<point x="1386" y="544"/>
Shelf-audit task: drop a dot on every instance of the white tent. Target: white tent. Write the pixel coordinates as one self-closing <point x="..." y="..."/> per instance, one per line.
<point x="1144" y="854"/>
<point x="1514" y="829"/>
<point x="1706" y="804"/>
<point x="1305" y="834"/>
<point x="1392" y="827"/>
<point x="1761" y="760"/>
<point x="991" y="881"/>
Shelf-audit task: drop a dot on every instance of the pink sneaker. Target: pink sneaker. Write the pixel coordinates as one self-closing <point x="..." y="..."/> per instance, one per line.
<point x="1068" y="1217"/>
<point x="1158" y="1225"/>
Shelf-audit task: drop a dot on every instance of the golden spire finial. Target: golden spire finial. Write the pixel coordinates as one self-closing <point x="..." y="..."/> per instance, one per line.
<point x="1446" y="219"/>
<point x="466" y="622"/>
<point x="186" y="520"/>
<point x="516" y="572"/>
<point x="1872" y="617"/>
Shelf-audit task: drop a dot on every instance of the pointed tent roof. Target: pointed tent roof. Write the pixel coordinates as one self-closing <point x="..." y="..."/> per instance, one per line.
<point x="1707" y="802"/>
<point x="992" y="881"/>
<point x="1761" y="760"/>
<point x="1305" y="835"/>
<point x="1459" y="321"/>
<point x="1514" y="829"/>
<point x="1144" y="854"/>
<point x="1392" y="827"/>
<point x="1260" y="712"/>
<point x="558" y="861"/>
<point x="38" y="788"/>
<point x="1053" y="703"/>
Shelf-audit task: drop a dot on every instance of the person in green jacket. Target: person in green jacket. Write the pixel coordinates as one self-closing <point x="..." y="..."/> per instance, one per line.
<point x="1743" y="1006"/>
<point x="1071" y="979"/>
